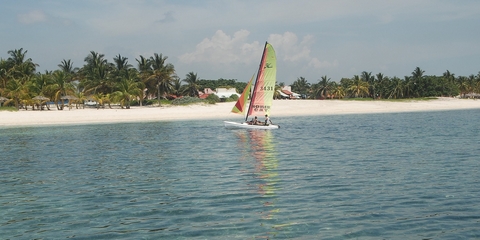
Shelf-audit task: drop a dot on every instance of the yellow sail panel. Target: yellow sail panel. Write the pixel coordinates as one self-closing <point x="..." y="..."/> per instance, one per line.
<point x="241" y="104"/>
<point x="264" y="88"/>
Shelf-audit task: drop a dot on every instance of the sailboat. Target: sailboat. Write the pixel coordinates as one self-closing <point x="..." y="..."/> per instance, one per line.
<point x="260" y="102"/>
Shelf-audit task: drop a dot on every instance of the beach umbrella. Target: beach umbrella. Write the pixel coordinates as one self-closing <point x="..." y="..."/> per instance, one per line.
<point x="41" y="98"/>
<point x="69" y="97"/>
<point x="3" y="99"/>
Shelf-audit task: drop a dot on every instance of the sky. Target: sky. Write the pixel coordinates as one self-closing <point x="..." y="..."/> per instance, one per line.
<point x="224" y="38"/>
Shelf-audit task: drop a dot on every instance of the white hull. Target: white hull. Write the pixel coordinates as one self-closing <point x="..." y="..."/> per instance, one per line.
<point x="248" y="126"/>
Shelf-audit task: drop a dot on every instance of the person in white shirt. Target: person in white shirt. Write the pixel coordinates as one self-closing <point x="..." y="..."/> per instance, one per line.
<point x="267" y="120"/>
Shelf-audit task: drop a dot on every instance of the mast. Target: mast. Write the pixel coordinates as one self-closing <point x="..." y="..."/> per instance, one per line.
<point x="262" y="61"/>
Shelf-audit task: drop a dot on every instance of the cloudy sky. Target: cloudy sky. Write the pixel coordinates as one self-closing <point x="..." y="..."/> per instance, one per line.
<point x="224" y="39"/>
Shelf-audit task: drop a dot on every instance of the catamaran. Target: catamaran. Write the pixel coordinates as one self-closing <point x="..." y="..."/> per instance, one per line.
<point x="262" y="95"/>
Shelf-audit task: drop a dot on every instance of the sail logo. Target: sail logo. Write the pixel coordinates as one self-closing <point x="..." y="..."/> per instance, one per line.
<point x="268" y="65"/>
<point x="261" y="108"/>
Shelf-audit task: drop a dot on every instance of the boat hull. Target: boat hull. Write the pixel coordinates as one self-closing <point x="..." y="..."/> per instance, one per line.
<point x="236" y="125"/>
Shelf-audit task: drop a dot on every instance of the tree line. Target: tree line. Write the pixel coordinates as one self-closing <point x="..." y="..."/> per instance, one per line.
<point x="98" y="80"/>
<point x="153" y="79"/>
<point x="379" y="86"/>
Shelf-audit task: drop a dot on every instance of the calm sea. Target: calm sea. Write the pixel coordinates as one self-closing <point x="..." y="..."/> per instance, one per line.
<point x="370" y="176"/>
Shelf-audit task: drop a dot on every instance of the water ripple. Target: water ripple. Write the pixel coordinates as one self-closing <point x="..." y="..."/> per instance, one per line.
<point x="378" y="176"/>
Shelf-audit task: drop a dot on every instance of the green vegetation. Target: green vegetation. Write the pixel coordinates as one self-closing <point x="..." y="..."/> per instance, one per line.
<point x="232" y="98"/>
<point x="212" y="99"/>
<point x="186" y="100"/>
<point x="9" y="109"/>
<point x="154" y="82"/>
<point x="366" y="85"/>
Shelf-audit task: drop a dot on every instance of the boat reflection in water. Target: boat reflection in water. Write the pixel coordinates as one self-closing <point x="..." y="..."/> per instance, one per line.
<point x="258" y="149"/>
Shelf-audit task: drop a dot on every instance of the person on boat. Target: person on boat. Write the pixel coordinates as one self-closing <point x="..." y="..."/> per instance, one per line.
<point x="267" y="120"/>
<point x="254" y="121"/>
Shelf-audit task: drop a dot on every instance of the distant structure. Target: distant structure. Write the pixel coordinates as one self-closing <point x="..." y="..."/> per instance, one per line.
<point x="286" y="93"/>
<point x="206" y="92"/>
<point x="224" y="93"/>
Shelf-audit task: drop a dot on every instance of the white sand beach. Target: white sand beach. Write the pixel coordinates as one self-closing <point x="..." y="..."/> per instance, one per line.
<point x="221" y="111"/>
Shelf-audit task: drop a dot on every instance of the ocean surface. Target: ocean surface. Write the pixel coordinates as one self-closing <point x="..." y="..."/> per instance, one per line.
<point x="369" y="176"/>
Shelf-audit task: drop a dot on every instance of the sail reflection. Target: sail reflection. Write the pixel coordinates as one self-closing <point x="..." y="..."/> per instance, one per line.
<point x="257" y="145"/>
<point x="266" y="163"/>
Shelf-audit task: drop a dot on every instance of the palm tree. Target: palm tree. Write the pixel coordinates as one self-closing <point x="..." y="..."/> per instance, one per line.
<point x="381" y="86"/>
<point x="4" y="74"/>
<point x="322" y="88"/>
<point x="60" y="87"/>
<point x="121" y="63"/>
<point x="161" y="77"/>
<point x="338" y="91"/>
<point x="67" y="67"/>
<point x="301" y="86"/>
<point x="177" y="87"/>
<point x="449" y="81"/>
<point x="39" y="84"/>
<point x="462" y="83"/>
<point x="367" y="77"/>
<point x="276" y="93"/>
<point x="95" y="60"/>
<point x="145" y="71"/>
<point x="17" y="56"/>
<point x="417" y="73"/>
<point x="143" y="64"/>
<point x="21" y="65"/>
<point x="17" y="91"/>
<point x="409" y="86"/>
<point x="191" y="88"/>
<point x="413" y="83"/>
<point x="81" y="98"/>
<point x="449" y="76"/>
<point x="477" y="83"/>
<point x="472" y="84"/>
<point x="96" y="74"/>
<point x="127" y="90"/>
<point x="98" y="79"/>
<point x="101" y="99"/>
<point x="358" y="87"/>
<point x="396" y="88"/>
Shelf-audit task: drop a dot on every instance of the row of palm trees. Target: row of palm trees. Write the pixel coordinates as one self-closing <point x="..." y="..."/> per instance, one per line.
<point x="379" y="86"/>
<point x="103" y="81"/>
<point x="119" y="82"/>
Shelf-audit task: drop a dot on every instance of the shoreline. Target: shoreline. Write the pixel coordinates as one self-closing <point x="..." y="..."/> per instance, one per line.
<point x="221" y="111"/>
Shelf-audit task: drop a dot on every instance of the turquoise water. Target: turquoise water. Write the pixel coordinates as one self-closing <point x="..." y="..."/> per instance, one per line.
<point x="372" y="176"/>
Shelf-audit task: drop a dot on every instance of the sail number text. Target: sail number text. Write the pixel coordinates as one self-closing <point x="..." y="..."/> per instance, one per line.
<point x="267" y="88"/>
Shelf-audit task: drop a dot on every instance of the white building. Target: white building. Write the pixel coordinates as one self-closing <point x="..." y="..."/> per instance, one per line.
<point x="226" y="92"/>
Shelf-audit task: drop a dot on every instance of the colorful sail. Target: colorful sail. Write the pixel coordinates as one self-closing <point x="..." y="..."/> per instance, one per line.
<point x="241" y="104"/>
<point x="264" y="88"/>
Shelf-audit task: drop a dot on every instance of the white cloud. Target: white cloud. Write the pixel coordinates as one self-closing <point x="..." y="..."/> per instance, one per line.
<point x="32" y="17"/>
<point x="315" y="63"/>
<point x="224" y="49"/>
<point x="291" y="49"/>
<point x="230" y="51"/>
<point x="311" y="38"/>
<point x="298" y="52"/>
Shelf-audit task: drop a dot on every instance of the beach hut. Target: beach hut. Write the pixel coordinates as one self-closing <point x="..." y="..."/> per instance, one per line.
<point x="41" y="100"/>
<point x="2" y="100"/>
<point x="70" y="98"/>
